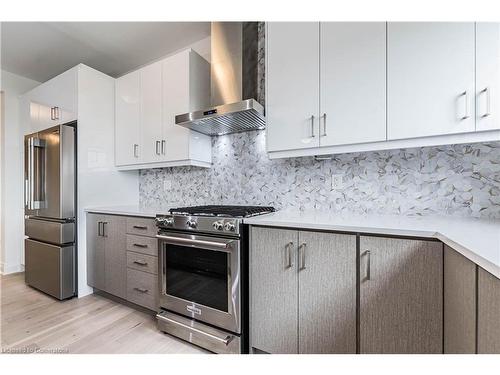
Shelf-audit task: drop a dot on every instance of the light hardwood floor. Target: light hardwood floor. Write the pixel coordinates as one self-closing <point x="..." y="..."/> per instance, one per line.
<point x="31" y="320"/>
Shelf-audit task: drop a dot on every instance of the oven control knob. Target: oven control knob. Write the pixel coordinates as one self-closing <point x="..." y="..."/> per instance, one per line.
<point x="218" y="225"/>
<point x="192" y="223"/>
<point x="229" y="227"/>
<point x="160" y="221"/>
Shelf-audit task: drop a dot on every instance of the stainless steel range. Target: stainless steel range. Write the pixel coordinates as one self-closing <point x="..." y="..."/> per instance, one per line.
<point x="203" y="275"/>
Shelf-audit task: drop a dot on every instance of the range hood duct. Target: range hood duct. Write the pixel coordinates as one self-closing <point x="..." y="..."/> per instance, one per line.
<point x="234" y="83"/>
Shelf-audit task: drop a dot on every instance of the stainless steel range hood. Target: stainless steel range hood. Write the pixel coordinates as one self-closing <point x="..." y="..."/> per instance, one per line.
<point x="234" y="83"/>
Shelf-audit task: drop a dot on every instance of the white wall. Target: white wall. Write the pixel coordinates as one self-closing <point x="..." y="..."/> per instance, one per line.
<point x="12" y="206"/>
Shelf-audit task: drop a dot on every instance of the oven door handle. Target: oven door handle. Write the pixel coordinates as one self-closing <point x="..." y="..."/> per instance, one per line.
<point x="224" y="340"/>
<point x="211" y="245"/>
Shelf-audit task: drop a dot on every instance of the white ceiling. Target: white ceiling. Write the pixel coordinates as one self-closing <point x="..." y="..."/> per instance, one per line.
<point x="42" y="50"/>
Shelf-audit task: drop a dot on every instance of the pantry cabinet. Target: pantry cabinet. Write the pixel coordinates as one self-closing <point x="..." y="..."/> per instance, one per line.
<point x="430" y="79"/>
<point x="147" y="101"/>
<point x="487" y="75"/>
<point x="401" y="296"/>
<point x="303" y="291"/>
<point x="488" y="312"/>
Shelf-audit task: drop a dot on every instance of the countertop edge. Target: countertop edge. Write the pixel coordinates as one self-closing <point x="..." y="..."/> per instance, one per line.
<point x="466" y="251"/>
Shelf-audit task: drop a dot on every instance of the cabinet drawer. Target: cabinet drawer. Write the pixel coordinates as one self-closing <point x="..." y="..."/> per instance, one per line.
<point x="144" y="227"/>
<point x="142" y="262"/>
<point x="143" y="245"/>
<point x="142" y="288"/>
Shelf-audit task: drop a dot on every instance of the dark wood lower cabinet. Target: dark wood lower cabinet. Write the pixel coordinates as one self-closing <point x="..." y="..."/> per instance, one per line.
<point x="459" y="303"/>
<point x="401" y="296"/>
<point x="107" y="258"/>
<point x="488" y="309"/>
<point x="303" y="291"/>
<point x="327" y="293"/>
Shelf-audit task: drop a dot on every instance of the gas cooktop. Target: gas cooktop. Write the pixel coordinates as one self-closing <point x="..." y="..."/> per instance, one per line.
<point x="222" y="211"/>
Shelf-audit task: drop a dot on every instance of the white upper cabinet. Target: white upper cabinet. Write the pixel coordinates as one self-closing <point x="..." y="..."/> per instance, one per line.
<point x="487" y="76"/>
<point x="127" y="119"/>
<point x="151" y="112"/>
<point x="147" y="101"/>
<point x="186" y="88"/>
<point x="352" y="82"/>
<point x="292" y="93"/>
<point x="430" y="79"/>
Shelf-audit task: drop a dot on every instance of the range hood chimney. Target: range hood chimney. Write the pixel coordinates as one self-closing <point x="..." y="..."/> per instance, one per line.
<point x="234" y="83"/>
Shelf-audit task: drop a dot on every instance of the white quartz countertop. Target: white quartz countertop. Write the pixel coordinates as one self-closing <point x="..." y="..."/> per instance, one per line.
<point x="476" y="239"/>
<point x="133" y="210"/>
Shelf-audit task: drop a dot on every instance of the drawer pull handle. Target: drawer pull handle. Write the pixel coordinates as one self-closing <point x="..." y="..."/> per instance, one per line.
<point x="141" y="290"/>
<point x="141" y="262"/>
<point x="140" y="245"/>
<point x="142" y="227"/>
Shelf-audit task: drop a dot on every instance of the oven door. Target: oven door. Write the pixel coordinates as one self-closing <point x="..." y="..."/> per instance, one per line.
<point x="200" y="278"/>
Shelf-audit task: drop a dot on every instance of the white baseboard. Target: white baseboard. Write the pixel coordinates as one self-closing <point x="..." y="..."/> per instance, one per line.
<point x="6" y="269"/>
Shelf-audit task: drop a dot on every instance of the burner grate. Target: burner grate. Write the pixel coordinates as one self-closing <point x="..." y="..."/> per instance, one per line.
<point x="222" y="211"/>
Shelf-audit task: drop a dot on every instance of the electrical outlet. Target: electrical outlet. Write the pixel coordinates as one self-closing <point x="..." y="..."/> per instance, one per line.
<point x="167" y="185"/>
<point x="337" y="181"/>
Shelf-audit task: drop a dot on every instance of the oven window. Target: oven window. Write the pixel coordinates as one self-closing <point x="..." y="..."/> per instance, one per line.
<point x="197" y="275"/>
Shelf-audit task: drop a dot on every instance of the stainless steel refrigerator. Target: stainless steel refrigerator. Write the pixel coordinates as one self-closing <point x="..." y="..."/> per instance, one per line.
<point x="50" y="207"/>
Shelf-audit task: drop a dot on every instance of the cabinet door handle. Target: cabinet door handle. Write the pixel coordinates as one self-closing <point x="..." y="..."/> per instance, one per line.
<point x="136" y="150"/>
<point x="99" y="232"/>
<point x="56" y="113"/>
<point x="52" y="116"/>
<point x="140" y="245"/>
<point x="487" y="111"/>
<point x="104" y="223"/>
<point x="141" y="262"/>
<point x="465" y="97"/>
<point x="324" y="125"/>
<point x="141" y="290"/>
<point x="288" y="255"/>
<point x="157" y="147"/>
<point x="312" y="127"/>
<point x="368" y="265"/>
<point x="141" y="227"/>
<point x="302" y="256"/>
<point x="163" y="144"/>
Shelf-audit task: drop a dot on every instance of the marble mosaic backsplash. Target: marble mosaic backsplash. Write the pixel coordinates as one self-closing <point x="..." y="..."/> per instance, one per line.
<point x="458" y="180"/>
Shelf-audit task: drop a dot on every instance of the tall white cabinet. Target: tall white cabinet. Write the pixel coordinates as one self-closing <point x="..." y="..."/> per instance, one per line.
<point x="430" y="79"/>
<point x="147" y="101"/>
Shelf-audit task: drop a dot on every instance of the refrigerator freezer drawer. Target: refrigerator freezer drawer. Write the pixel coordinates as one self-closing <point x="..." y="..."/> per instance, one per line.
<point x="50" y="268"/>
<point x="49" y="231"/>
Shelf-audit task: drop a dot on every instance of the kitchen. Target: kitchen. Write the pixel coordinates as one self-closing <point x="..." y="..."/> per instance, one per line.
<point x="202" y="201"/>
